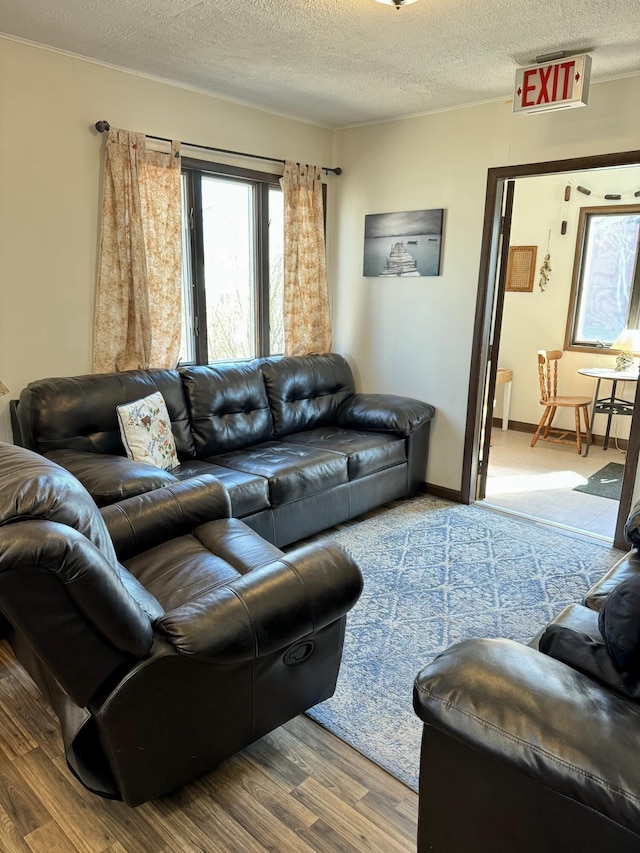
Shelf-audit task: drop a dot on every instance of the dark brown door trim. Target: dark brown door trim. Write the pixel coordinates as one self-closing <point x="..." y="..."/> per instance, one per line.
<point x="484" y="313"/>
<point x="494" y="335"/>
<point x="481" y="333"/>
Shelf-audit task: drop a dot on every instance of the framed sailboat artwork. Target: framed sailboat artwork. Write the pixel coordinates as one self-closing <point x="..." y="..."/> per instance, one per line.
<point x="403" y="245"/>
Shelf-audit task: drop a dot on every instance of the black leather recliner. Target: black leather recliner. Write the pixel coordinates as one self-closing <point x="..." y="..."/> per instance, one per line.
<point x="520" y="752"/>
<point x="527" y="753"/>
<point x="538" y="753"/>
<point x="164" y="640"/>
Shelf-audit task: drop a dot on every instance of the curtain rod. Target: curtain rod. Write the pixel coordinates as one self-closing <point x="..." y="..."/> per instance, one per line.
<point x="104" y="126"/>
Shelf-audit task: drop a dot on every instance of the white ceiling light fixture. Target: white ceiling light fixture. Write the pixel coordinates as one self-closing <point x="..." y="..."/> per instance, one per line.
<point x="397" y="3"/>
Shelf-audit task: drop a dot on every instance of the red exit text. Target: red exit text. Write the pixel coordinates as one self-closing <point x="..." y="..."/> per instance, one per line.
<point x="553" y="85"/>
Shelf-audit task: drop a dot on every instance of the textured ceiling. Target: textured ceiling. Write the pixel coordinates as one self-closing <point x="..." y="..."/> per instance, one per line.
<point x="335" y="62"/>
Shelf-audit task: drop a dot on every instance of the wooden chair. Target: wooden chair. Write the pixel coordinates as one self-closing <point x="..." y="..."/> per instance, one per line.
<point x="548" y="375"/>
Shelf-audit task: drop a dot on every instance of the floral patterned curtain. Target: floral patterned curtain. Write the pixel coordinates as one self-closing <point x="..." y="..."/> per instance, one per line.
<point x="307" y="323"/>
<point x="139" y="295"/>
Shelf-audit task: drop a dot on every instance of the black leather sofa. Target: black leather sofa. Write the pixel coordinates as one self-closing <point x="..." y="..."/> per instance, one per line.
<point x="294" y="446"/>
<point x="165" y="641"/>
<point x="538" y="753"/>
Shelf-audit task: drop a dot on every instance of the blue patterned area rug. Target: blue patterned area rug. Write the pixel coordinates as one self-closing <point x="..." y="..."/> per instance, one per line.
<point x="436" y="573"/>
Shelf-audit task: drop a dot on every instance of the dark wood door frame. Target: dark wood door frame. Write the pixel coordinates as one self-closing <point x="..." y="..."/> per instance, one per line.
<point x="502" y="254"/>
<point x="487" y="298"/>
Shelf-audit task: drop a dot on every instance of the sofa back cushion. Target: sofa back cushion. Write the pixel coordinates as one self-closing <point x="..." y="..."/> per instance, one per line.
<point x="79" y="412"/>
<point x="306" y="391"/>
<point x="228" y="406"/>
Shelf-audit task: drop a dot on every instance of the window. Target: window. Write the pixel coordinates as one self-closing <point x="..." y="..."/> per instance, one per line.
<point x="232" y="264"/>
<point x="605" y="291"/>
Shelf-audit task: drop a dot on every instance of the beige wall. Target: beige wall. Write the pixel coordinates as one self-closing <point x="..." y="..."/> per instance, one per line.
<point x="414" y="336"/>
<point x="50" y="167"/>
<point x="403" y="336"/>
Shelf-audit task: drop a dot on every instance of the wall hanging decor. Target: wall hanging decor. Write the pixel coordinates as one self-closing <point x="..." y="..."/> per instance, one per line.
<point x="545" y="272"/>
<point x="545" y="269"/>
<point x="520" y="268"/>
<point x="401" y="245"/>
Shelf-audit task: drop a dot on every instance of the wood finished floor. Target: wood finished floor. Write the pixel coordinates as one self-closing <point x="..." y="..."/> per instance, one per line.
<point x="297" y="790"/>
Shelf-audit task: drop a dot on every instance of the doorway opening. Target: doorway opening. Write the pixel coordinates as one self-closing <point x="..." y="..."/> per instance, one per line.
<point x="538" y="205"/>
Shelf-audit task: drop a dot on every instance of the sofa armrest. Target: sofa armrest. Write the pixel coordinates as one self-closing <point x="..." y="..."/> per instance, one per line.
<point x="529" y="712"/>
<point x="384" y="413"/>
<point x="268" y="608"/>
<point x="143" y="521"/>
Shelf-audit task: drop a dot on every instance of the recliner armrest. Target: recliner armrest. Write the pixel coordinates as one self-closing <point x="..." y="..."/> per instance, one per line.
<point x="384" y="413"/>
<point x="268" y="608"/>
<point x="550" y="722"/>
<point x="61" y="593"/>
<point x="142" y="521"/>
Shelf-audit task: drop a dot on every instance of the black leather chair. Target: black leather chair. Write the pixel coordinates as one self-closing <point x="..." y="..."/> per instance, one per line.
<point x="523" y="752"/>
<point x="165" y="634"/>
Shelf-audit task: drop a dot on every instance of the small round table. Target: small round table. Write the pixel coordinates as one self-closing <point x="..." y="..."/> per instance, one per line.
<point x="610" y="405"/>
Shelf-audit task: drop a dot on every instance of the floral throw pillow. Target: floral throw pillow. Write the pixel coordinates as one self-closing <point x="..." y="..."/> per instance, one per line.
<point x="145" y="429"/>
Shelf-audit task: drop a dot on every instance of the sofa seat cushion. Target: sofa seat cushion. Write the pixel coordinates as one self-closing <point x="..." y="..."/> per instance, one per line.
<point x="294" y="471"/>
<point x="366" y="452"/>
<point x="215" y="554"/>
<point x="109" y="479"/>
<point x="248" y="493"/>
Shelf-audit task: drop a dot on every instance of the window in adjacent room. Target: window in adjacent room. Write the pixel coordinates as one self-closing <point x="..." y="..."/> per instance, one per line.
<point x="232" y="263"/>
<point x="605" y="291"/>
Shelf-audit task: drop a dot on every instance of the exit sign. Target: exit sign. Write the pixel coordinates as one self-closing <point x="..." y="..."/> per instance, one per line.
<point x="553" y="85"/>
